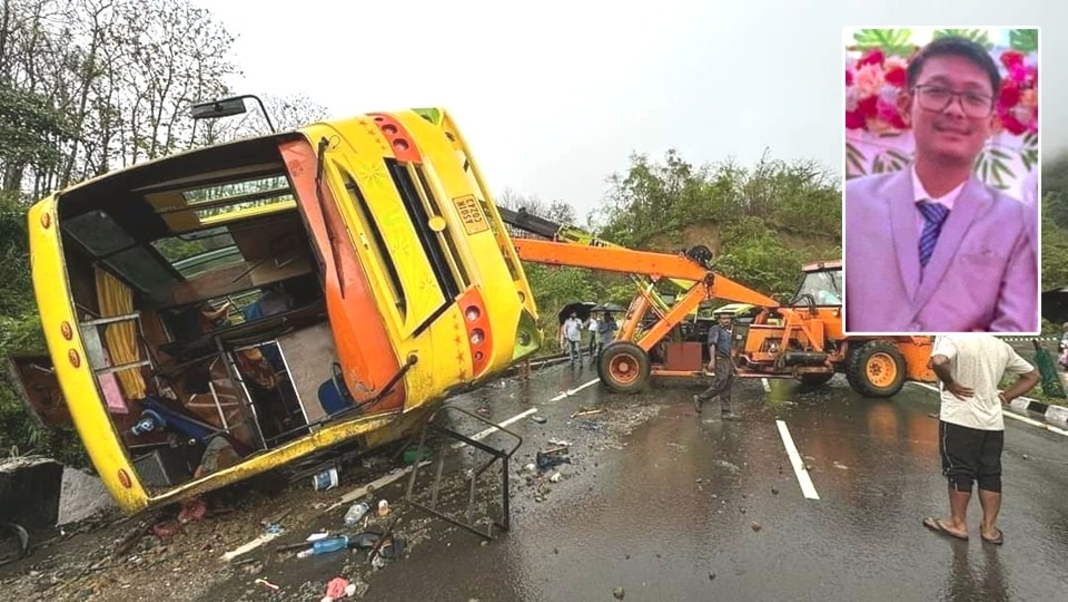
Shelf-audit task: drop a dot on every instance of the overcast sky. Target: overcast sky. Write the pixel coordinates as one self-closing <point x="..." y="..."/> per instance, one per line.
<point x="554" y="96"/>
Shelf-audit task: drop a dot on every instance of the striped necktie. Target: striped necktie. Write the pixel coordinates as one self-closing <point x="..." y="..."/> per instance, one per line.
<point x="934" y="215"/>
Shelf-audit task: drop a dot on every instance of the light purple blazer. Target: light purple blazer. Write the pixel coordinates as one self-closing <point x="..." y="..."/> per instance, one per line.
<point x="983" y="274"/>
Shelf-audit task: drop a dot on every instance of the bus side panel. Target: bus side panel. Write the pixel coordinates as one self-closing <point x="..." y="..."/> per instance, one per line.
<point x="451" y="186"/>
<point x="76" y="379"/>
<point x="367" y="356"/>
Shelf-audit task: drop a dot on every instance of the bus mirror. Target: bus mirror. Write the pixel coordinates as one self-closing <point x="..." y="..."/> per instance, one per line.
<point x="215" y="109"/>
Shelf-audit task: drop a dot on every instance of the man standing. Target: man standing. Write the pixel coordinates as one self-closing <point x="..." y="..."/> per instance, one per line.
<point x="571" y="335"/>
<point x="592" y="328"/>
<point x="931" y="248"/>
<point x="719" y="346"/>
<point x="606" y="331"/>
<point x="971" y="429"/>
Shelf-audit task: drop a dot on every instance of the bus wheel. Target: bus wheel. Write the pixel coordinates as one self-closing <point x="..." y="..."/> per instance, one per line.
<point x="814" y="379"/>
<point x="876" y="369"/>
<point x="624" y="367"/>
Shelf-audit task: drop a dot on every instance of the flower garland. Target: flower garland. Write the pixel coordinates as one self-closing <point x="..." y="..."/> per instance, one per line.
<point x="874" y="82"/>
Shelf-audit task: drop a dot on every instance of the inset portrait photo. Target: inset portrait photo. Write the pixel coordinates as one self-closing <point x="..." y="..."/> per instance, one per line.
<point x="940" y="205"/>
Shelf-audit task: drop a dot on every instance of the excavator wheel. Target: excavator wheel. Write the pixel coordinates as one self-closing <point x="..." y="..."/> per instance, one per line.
<point x="624" y="367"/>
<point x="876" y="369"/>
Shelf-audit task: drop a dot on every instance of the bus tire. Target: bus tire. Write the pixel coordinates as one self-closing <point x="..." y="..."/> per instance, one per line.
<point x="624" y="367"/>
<point x="876" y="369"/>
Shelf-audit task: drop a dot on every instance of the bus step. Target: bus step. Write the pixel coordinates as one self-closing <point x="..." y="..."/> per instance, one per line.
<point x="443" y="423"/>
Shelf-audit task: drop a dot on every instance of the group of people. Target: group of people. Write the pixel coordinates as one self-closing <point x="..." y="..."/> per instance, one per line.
<point x="600" y="328"/>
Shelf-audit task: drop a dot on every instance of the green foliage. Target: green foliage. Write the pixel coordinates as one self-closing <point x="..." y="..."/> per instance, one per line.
<point x="1024" y="40"/>
<point x="890" y="41"/>
<point x="30" y="128"/>
<point x="976" y="35"/>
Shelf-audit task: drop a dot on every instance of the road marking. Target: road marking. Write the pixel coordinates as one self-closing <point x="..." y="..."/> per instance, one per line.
<point x="1024" y="419"/>
<point x="767" y="385"/>
<point x="571" y="392"/>
<point x="493" y="429"/>
<point x="807" y="488"/>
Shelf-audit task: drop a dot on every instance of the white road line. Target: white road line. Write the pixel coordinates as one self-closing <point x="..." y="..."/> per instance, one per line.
<point x="1024" y="419"/>
<point x="485" y="433"/>
<point x="525" y="413"/>
<point x="767" y="385"/>
<point x="807" y="488"/>
<point x="571" y="392"/>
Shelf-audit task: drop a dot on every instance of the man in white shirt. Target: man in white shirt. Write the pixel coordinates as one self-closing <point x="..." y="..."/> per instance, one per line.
<point x="971" y="427"/>
<point x="571" y="336"/>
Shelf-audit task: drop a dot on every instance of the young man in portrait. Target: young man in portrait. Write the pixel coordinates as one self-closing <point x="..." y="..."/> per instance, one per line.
<point x="931" y="248"/>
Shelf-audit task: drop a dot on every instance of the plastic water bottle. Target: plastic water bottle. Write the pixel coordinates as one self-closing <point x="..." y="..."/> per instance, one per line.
<point x="355" y="513"/>
<point x="325" y="546"/>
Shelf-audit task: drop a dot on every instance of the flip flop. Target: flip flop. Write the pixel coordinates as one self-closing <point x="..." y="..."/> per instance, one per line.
<point x="936" y="525"/>
<point x="997" y="541"/>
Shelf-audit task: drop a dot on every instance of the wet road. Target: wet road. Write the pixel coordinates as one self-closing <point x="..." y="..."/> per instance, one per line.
<point x="690" y="508"/>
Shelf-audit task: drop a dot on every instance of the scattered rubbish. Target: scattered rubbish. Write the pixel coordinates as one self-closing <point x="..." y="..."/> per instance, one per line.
<point x="338" y="588"/>
<point x="756" y="526"/>
<point x="840" y="466"/>
<point x="379" y="483"/>
<point x="553" y="456"/>
<point x="711" y="576"/>
<point x="248" y="547"/>
<point x="355" y="513"/>
<point x="618" y="593"/>
<point x="413" y="454"/>
<point x="267" y="584"/>
<point x="325" y="546"/>
<point x="274" y="529"/>
<point x="318" y="536"/>
<point x="539" y="419"/>
<point x="1026" y="457"/>
<point x="697" y="480"/>
<point x="556" y="478"/>
<point x="325" y="480"/>
<point x="559" y="442"/>
<point x="383" y="508"/>
<point x="584" y="411"/>
<point x="588" y="425"/>
<point x="192" y="511"/>
<point x="774" y="491"/>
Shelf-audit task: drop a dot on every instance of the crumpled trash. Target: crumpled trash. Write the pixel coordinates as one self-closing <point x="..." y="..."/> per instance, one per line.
<point x="192" y="511"/>
<point x="551" y="457"/>
<point x="338" y="588"/>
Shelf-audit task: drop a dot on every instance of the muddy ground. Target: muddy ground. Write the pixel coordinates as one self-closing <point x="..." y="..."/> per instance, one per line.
<point x="156" y="556"/>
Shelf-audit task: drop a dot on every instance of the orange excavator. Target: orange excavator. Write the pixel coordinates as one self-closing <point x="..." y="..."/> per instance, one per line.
<point x="802" y="339"/>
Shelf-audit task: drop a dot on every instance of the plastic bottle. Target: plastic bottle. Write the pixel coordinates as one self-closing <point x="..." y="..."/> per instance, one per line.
<point x="325" y="546"/>
<point x="355" y="513"/>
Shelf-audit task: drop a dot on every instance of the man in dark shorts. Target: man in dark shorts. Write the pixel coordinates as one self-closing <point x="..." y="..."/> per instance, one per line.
<point x="971" y="430"/>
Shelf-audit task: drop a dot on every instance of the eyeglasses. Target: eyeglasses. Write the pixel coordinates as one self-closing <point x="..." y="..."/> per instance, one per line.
<point x="937" y="99"/>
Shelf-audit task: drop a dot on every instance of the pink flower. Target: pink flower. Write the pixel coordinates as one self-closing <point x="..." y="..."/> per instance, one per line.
<point x="1018" y="73"/>
<point x="869" y="79"/>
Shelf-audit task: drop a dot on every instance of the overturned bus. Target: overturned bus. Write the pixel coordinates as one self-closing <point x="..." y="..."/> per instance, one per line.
<point x="215" y="314"/>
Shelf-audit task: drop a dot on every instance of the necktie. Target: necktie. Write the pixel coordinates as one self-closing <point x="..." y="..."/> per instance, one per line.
<point x="934" y="215"/>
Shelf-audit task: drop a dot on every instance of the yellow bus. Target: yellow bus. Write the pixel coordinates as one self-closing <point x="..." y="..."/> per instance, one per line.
<point x="225" y="311"/>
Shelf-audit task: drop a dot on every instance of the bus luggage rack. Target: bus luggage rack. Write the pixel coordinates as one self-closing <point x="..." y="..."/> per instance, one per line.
<point x="467" y="521"/>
